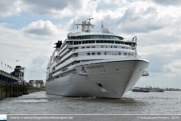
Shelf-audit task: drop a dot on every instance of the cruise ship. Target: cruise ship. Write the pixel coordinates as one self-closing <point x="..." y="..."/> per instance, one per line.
<point x="94" y="64"/>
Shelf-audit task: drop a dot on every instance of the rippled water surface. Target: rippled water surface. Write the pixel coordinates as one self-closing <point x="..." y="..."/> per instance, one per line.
<point x="131" y="103"/>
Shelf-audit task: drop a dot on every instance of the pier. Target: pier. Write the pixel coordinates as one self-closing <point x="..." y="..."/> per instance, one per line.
<point x="11" y="86"/>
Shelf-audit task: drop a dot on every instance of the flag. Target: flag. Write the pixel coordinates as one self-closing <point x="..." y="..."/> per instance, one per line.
<point x="1" y="63"/>
<point x="5" y="64"/>
<point x="77" y="27"/>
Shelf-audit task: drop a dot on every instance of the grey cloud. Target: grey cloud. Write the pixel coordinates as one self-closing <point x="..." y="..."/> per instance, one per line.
<point x="41" y="7"/>
<point x="32" y="54"/>
<point x="150" y="10"/>
<point x="139" y="27"/>
<point x="168" y="2"/>
<point x="9" y="7"/>
<point x="37" y="70"/>
<point x="40" y="32"/>
<point x="157" y="39"/>
<point x="129" y="15"/>
<point x="39" y="60"/>
<point x="157" y="62"/>
<point x="134" y="22"/>
<point x="47" y="6"/>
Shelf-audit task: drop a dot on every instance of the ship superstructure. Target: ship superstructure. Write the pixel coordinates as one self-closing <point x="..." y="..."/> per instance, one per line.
<point x="94" y="64"/>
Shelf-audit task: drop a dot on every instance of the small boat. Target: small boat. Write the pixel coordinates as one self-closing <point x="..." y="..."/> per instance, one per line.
<point x="140" y="90"/>
<point x="160" y="90"/>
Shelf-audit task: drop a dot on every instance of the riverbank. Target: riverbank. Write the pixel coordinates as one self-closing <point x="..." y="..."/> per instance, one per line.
<point x="8" y="89"/>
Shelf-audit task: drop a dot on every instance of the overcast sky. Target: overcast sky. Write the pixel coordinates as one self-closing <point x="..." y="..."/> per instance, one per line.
<point x="29" y="29"/>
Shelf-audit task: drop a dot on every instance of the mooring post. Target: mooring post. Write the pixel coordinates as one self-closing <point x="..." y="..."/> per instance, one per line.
<point x="23" y="88"/>
<point x="17" y="88"/>
<point x="6" y="88"/>
<point x="1" y="89"/>
<point x="11" y="87"/>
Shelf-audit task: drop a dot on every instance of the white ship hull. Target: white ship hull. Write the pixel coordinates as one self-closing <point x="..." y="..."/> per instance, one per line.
<point x="109" y="79"/>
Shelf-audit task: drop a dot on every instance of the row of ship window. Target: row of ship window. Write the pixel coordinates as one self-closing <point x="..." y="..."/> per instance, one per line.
<point x="99" y="41"/>
<point x="105" y="47"/>
<point x="93" y="37"/>
<point x="105" y="53"/>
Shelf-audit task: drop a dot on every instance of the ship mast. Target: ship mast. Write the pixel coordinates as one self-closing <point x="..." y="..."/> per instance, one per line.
<point x="86" y="25"/>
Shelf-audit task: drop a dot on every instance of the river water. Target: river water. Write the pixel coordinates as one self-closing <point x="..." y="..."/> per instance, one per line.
<point x="131" y="103"/>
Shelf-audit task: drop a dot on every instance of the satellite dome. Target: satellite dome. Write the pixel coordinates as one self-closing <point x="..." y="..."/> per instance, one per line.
<point x="105" y="30"/>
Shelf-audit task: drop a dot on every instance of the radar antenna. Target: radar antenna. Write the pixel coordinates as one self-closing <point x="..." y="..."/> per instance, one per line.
<point x="86" y="25"/>
<point x="89" y="24"/>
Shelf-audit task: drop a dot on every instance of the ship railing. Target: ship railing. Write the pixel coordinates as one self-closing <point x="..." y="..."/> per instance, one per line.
<point x="100" y="32"/>
<point x="136" y="56"/>
<point x="64" y="70"/>
<point x="129" y="39"/>
<point x="64" y="63"/>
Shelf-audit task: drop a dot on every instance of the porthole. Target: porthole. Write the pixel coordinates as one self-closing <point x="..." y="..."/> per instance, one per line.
<point x="88" y="53"/>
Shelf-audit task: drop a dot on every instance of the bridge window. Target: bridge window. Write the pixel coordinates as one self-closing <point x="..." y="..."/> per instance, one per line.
<point x="107" y="37"/>
<point x="96" y="37"/>
<point x="119" y="53"/>
<point x="86" y="42"/>
<point x="117" y="42"/>
<point x="125" y="54"/>
<point x="86" y="37"/>
<point x="69" y="42"/>
<point x="77" y="42"/>
<point x="105" y="53"/>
